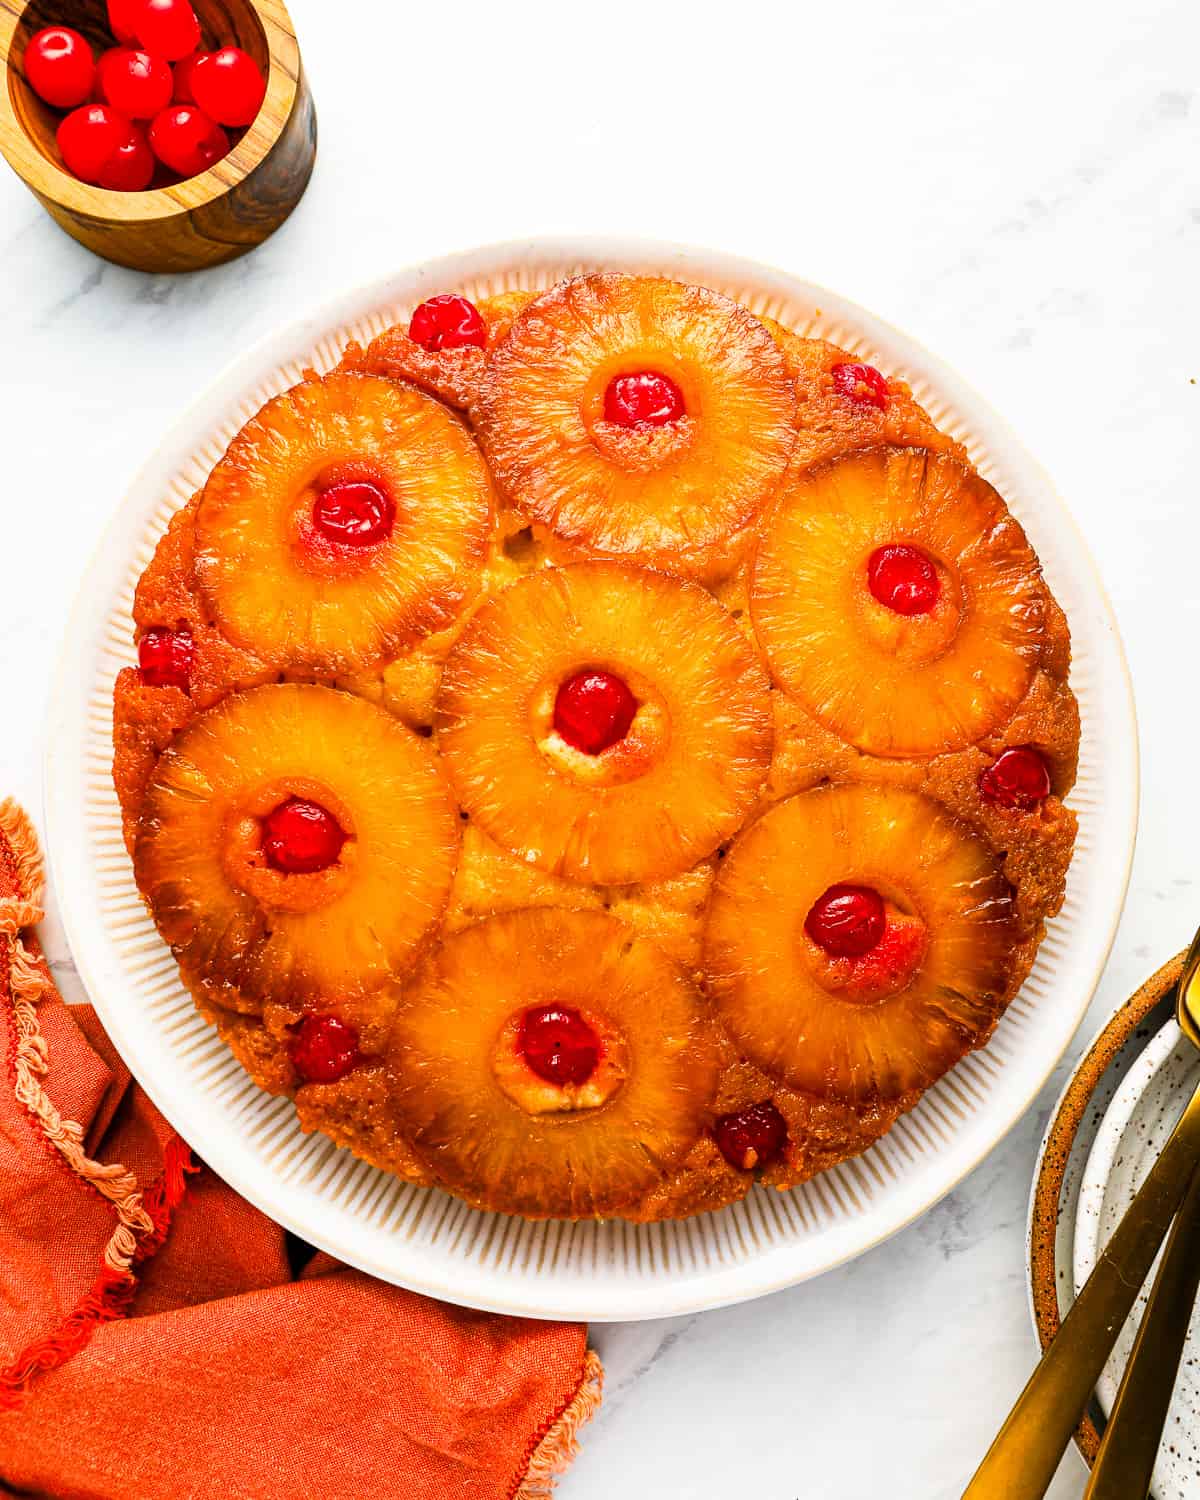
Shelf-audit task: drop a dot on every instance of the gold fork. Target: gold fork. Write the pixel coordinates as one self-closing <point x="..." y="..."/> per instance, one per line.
<point x="1021" y="1462"/>
<point x="1125" y="1462"/>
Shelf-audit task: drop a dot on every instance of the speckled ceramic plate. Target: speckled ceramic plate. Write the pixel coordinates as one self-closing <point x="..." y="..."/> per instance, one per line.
<point x="1124" y="1056"/>
<point x="424" y="1239"/>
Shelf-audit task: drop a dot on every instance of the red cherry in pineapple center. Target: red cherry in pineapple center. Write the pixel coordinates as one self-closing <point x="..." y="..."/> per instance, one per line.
<point x="593" y="710"/>
<point x="847" y="921"/>
<point x="751" y="1137"/>
<point x="904" y="579"/>
<point x="1016" y="778"/>
<point x="301" y="837"/>
<point x="447" y="322"/>
<point x="644" y="399"/>
<point x="324" y="1049"/>
<point x="354" y="513"/>
<point x="558" y="1044"/>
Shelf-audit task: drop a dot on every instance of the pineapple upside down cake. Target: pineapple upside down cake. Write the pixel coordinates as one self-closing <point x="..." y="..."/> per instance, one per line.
<point x="598" y="750"/>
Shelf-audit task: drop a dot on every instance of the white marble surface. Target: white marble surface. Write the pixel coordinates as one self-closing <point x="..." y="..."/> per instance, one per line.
<point x="1012" y="181"/>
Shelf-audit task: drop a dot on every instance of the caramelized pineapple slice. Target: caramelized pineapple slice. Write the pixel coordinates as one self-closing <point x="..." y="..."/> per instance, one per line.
<point x="681" y="767"/>
<point x="638" y="418"/>
<point x="347" y="520"/>
<point x="523" y="1120"/>
<point x="284" y="922"/>
<point x="902" y="1002"/>
<point x="895" y="596"/>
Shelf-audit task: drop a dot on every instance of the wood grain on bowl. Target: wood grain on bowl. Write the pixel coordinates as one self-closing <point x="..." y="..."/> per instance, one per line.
<point x="182" y="226"/>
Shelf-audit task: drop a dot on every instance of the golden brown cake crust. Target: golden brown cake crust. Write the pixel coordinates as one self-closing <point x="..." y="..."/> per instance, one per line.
<point x="454" y="375"/>
<point x="1032" y="848"/>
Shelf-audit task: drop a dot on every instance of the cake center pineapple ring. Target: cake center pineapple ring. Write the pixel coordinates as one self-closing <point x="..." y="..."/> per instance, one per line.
<point x="600" y="725"/>
<point x="559" y="1059"/>
<point x="593" y="710"/>
<point x="301" y="837"/>
<point x="354" y="513"/>
<point x="558" y="1044"/>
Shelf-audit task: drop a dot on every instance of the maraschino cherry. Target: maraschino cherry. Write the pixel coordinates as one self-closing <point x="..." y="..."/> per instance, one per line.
<point x="301" y="837"/>
<point x="130" y="169"/>
<point x="354" y="513"/>
<point x="447" y="322"/>
<point x="59" y="66"/>
<point x="593" y="710"/>
<point x="227" y="85"/>
<point x="862" y="384"/>
<point x="167" y="28"/>
<point x="1017" y="778"/>
<point x="324" y="1049"/>
<point x="134" y="83"/>
<point x="751" y="1137"/>
<point x="165" y="657"/>
<point x="644" y="399"/>
<point x="847" y="921"/>
<point x="184" y="71"/>
<point x="184" y="138"/>
<point x="121" y="17"/>
<point x="558" y="1044"/>
<point x="904" y="579"/>
<point x="89" y="139"/>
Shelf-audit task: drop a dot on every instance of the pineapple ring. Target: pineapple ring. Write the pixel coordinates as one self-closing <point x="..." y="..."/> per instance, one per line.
<point x="700" y="772"/>
<point x="671" y="496"/>
<point x="582" y="1163"/>
<point x="826" y="1040"/>
<point x="277" y="589"/>
<point x="888" y="684"/>
<point x="355" y="924"/>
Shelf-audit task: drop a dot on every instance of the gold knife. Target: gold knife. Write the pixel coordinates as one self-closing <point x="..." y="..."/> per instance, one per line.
<point x="1125" y="1463"/>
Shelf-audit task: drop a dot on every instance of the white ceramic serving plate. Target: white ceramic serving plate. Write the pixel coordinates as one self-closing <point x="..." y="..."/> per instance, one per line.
<point x="1134" y="1130"/>
<point x="424" y="1239"/>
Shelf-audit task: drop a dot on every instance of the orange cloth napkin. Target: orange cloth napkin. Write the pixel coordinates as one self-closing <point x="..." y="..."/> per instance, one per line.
<point x="154" y="1342"/>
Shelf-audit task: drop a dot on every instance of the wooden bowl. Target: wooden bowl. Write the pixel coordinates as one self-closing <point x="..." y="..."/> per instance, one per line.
<point x="186" y="226"/>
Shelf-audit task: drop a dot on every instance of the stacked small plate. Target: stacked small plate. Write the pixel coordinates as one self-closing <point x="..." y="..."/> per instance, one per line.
<point x="1108" y="1129"/>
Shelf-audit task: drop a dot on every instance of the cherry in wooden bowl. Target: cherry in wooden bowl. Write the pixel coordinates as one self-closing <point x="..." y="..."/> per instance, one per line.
<point x="179" y="226"/>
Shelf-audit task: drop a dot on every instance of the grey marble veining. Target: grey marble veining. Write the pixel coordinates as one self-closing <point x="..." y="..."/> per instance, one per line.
<point x="1013" y="183"/>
